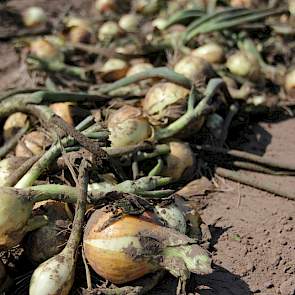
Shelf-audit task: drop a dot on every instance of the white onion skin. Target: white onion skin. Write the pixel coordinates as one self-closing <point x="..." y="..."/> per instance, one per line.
<point x="34" y="16"/>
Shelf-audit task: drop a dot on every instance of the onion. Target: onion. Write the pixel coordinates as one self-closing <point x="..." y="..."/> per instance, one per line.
<point x="159" y="23"/>
<point x="109" y="31"/>
<point x="126" y="249"/>
<point x="291" y="6"/>
<point x="180" y="162"/>
<point x="241" y="3"/>
<point x="211" y="52"/>
<point x="50" y="239"/>
<point x="165" y="102"/>
<point x="15" y="213"/>
<point x="130" y="22"/>
<point x="195" y="69"/>
<point x="32" y="143"/>
<point x="138" y="68"/>
<point x="13" y="123"/>
<point x="290" y="81"/>
<point x="8" y="166"/>
<point x="105" y="5"/>
<point x="44" y="49"/>
<point x="243" y="64"/>
<point x="127" y="126"/>
<point x="114" y="69"/>
<point x="64" y="110"/>
<point x="146" y="7"/>
<point x="79" y="30"/>
<point x="34" y="16"/>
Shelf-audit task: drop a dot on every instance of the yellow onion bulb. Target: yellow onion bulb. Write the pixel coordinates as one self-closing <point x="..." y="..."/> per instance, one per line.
<point x="49" y="240"/>
<point x="8" y="166"/>
<point x="130" y="22"/>
<point x="79" y="30"/>
<point x="126" y="249"/>
<point x="211" y="52"/>
<point x="243" y="64"/>
<point x="64" y="110"/>
<point x="109" y="31"/>
<point x="34" y="16"/>
<point x="32" y="144"/>
<point x="146" y="7"/>
<point x="165" y="102"/>
<point x="127" y="126"/>
<point x="114" y="69"/>
<point x="290" y="81"/>
<point x="13" y="123"/>
<point x="104" y="6"/>
<point x="180" y="162"/>
<point x="44" y="49"/>
<point x="15" y="212"/>
<point x="195" y="68"/>
<point x="138" y="68"/>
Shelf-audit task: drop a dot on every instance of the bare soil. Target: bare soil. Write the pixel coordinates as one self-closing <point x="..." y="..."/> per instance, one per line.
<point x="253" y="245"/>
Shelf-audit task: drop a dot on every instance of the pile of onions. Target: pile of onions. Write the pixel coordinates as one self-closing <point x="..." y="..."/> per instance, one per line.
<point x="211" y="52"/>
<point x="195" y="68"/>
<point x="114" y="69"/>
<point x="32" y="143"/>
<point x="34" y="16"/>
<point x="51" y="238"/>
<point x="126" y="249"/>
<point x="127" y="126"/>
<point x="165" y="102"/>
<point x="180" y="162"/>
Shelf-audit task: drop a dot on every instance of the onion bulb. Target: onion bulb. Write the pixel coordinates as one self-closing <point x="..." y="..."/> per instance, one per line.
<point x="15" y="217"/>
<point x="130" y="22"/>
<point x="165" y="102"/>
<point x="180" y="162"/>
<point x="290" y="81"/>
<point x="138" y="68"/>
<point x="64" y="110"/>
<point x="34" y="16"/>
<point x="105" y="5"/>
<point x="243" y="64"/>
<point x="241" y="3"/>
<point x="291" y="6"/>
<point x="8" y="166"/>
<point x="109" y="31"/>
<point x="146" y="7"/>
<point x="13" y="123"/>
<point x="195" y="68"/>
<point x="79" y="30"/>
<point x="44" y="49"/>
<point x="211" y="52"/>
<point x="114" y="69"/>
<point x="128" y="126"/>
<point x="50" y="239"/>
<point x="126" y="249"/>
<point x="32" y="144"/>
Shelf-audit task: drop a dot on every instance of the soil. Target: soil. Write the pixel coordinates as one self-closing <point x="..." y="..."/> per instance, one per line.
<point x="253" y="232"/>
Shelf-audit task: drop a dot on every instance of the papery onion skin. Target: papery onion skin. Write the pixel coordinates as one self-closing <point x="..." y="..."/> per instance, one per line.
<point x="114" y="69"/>
<point x="63" y="109"/>
<point x="180" y="162"/>
<point x="32" y="143"/>
<point x="107" y="250"/>
<point x="50" y="239"/>
<point x="127" y="126"/>
<point x="165" y="101"/>
<point x="15" y="212"/>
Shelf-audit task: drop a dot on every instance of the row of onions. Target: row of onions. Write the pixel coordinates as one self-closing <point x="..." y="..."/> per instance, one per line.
<point x="140" y="107"/>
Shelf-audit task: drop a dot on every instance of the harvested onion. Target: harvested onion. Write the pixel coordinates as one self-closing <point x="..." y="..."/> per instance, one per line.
<point x="130" y="22"/>
<point x="211" y="52"/>
<point x="32" y="143"/>
<point x="146" y="7"/>
<point x="128" y="126"/>
<point x="126" y="249"/>
<point x="79" y="30"/>
<point x="180" y="162"/>
<point x="109" y="31"/>
<point x="44" y="49"/>
<point x="290" y="81"/>
<point x="34" y="16"/>
<point x="50" y="239"/>
<point x="195" y="68"/>
<point x="64" y="110"/>
<point x="105" y="5"/>
<point x="114" y="69"/>
<point x="243" y="64"/>
<point x="165" y="102"/>
<point x="13" y="123"/>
